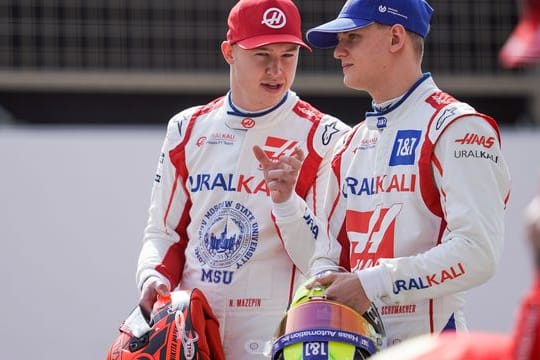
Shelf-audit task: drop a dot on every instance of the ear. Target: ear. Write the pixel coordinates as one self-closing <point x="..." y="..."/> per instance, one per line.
<point x="227" y="51"/>
<point x="399" y="35"/>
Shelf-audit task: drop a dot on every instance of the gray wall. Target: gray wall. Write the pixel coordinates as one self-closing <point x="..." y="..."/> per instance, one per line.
<point x="73" y="205"/>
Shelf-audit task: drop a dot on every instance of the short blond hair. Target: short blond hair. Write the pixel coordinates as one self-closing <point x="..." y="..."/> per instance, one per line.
<point x="416" y="40"/>
<point x="418" y="43"/>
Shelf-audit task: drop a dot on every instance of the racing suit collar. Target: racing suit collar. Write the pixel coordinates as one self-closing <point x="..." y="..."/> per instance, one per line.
<point x="238" y="119"/>
<point x="378" y="119"/>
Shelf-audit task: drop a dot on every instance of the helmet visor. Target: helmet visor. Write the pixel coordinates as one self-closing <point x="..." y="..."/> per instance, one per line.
<point x="323" y="320"/>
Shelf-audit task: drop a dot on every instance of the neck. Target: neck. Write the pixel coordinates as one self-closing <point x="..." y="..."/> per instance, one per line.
<point x="396" y="81"/>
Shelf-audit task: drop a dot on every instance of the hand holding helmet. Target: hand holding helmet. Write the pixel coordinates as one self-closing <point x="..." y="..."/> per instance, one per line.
<point x="316" y="326"/>
<point x="344" y="288"/>
<point x="180" y="326"/>
<point x="152" y="288"/>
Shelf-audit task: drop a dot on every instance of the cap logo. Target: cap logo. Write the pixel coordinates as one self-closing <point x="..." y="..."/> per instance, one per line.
<point x="382" y="8"/>
<point x="274" y="18"/>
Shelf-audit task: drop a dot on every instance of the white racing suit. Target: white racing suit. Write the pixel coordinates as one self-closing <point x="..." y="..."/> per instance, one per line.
<point x="210" y="225"/>
<point x="416" y="201"/>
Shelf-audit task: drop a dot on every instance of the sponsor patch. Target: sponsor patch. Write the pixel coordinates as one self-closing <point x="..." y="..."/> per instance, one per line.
<point x="381" y="122"/>
<point x="317" y="350"/>
<point x="371" y="235"/>
<point x="427" y="281"/>
<point x="329" y="131"/>
<point x="248" y="123"/>
<point x="275" y="147"/>
<point x="405" y="144"/>
<point x="477" y="154"/>
<point x="446" y="114"/>
<point x="475" y="139"/>
<point x="228" y="237"/>
<point x="367" y="143"/>
<point x="379" y="184"/>
<point x="227" y="182"/>
<point x="440" y="99"/>
<point x="220" y="139"/>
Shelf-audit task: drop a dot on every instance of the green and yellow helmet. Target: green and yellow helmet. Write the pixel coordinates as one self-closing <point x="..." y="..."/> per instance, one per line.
<point x="315" y="328"/>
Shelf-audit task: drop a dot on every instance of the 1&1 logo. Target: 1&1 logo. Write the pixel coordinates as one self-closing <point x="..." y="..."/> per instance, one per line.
<point x="315" y="350"/>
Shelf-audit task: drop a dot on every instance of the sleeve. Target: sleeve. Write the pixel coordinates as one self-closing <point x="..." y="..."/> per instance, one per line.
<point x="162" y="253"/>
<point x="332" y="250"/>
<point x="300" y="221"/>
<point x="474" y="184"/>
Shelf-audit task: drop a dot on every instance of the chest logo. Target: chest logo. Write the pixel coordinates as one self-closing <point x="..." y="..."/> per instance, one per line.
<point x="228" y="236"/>
<point x="248" y="123"/>
<point x="371" y="235"/>
<point x="381" y="122"/>
<point x="275" y="147"/>
<point x="404" y="149"/>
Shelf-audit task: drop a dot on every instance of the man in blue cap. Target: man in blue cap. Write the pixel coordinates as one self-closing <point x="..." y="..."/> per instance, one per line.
<point x="416" y="200"/>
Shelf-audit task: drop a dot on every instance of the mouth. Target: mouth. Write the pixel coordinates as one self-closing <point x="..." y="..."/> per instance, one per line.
<point x="272" y="87"/>
<point x="346" y="66"/>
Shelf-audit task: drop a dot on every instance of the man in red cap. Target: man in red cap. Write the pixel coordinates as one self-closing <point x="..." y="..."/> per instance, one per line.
<point x="523" y="46"/>
<point x="210" y="224"/>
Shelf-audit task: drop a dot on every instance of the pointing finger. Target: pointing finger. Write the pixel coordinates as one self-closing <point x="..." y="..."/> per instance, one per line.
<point x="261" y="156"/>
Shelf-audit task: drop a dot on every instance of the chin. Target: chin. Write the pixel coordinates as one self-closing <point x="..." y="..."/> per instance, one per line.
<point x="274" y="97"/>
<point x="348" y="82"/>
<point x="353" y="84"/>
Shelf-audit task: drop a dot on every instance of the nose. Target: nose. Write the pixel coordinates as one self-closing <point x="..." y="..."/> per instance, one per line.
<point x="274" y="67"/>
<point x="339" y="51"/>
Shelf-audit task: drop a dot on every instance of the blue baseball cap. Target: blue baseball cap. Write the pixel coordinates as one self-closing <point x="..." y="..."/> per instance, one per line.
<point x="414" y="15"/>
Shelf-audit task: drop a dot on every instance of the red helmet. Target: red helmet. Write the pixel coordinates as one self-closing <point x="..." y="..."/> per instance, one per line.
<point x="181" y="327"/>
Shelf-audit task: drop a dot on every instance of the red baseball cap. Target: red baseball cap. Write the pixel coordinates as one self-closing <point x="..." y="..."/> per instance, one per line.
<point x="254" y="23"/>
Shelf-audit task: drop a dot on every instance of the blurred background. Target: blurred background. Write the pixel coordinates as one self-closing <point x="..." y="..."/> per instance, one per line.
<point x="138" y="61"/>
<point x="86" y="90"/>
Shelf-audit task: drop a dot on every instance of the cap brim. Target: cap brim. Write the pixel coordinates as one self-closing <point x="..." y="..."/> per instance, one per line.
<point x="262" y="40"/>
<point x="325" y="36"/>
<point x="523" y="46"/>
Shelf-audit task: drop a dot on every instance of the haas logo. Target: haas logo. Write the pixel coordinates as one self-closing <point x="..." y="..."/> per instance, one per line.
<point x="274" y="18"/>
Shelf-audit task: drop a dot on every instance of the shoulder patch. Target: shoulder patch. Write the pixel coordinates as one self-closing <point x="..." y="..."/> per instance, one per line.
<point x="330" y="130"/>
<point x="440" y="99"/>
<point x="307" y="111"/>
